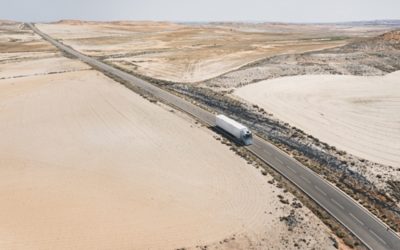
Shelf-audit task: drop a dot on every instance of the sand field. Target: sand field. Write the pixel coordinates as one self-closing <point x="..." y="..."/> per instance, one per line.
<point x="14" y="38"/>
<point x="181" y="52"/>
<point x="357" y="114"/>
<point x="86" y="163"/>
<point x="41" y="66"/>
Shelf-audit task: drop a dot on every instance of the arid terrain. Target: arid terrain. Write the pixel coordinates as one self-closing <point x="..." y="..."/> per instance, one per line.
<point x="374" y="183"/>
<point x="187" y="53"/>
<point x="359" y="114"/>
<point x="95" y="165"/>
<point x="207" y="63"/>
<point x="347" y="97"/>
<point x="86" y="163"/>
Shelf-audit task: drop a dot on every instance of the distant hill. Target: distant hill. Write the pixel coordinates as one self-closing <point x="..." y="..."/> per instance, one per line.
<point x="394" y="23"/>
<point x="7" y="22"/>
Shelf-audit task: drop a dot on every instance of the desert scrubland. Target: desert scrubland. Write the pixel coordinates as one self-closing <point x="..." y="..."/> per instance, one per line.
<point x="359" y="114"/>
<point x="347" y="97"/>
<point x="209" y="62"/>
<point x="86" y="163"/>
<point x="182" y="52"/>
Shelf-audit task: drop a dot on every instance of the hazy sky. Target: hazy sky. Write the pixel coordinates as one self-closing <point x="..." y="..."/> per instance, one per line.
<point x="201" y="10"/>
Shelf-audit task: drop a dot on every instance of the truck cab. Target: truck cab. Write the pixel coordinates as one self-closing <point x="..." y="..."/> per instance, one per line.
<point x="247" y="137"/>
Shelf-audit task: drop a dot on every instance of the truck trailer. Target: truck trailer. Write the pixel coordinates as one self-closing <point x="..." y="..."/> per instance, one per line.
<point x="239" y="131"/>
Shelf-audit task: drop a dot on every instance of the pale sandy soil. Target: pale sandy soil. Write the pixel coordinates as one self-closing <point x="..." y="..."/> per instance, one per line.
<point x="87" y="164"/>
<point x="311" y="30"/>
<point x="179" y="52"/>
<point x="39" y="67"/>
<point x="26" y="55"/>
<point x="360" y="115"/>
<point x="23" y="53"/>
<point x="15" y="38"/>
<point x="196" y="66"/>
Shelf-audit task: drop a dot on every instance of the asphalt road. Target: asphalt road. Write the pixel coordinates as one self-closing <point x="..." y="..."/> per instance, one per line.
<point x="369" y="229"/>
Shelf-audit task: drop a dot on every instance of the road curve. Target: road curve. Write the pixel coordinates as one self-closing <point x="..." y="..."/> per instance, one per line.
<point x="368" y="228"/>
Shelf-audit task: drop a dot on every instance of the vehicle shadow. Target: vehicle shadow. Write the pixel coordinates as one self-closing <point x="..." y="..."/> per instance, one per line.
<point x="226" y="135"/>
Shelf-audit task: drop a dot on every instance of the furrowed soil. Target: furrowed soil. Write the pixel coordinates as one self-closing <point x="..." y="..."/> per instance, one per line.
<point x="172" y="55"/>
<point x="86" y="163"/>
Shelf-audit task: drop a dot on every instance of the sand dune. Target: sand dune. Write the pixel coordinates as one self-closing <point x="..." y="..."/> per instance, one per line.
<point x="358" y="114"/>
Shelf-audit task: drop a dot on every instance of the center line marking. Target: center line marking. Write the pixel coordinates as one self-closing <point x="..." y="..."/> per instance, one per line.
<point x="377" y="236"/>
<point x="281" y="162"/>
<point x="337" y="203"/>
<point x="356" y="219"/>
<point x="320" y="190"/>
<point x="291" y="169"/>
<point x="267" y="152"/>
<point x="304" y="178"/>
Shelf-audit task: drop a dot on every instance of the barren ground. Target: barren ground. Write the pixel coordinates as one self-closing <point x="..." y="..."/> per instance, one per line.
<point x="86" y="164"/>
<point x="353" y="126"/>
<point x="13" y="38"/>
<point x="218" y="58"/>
<point x="187" y="53"/>
<point x="354" y="113"/>
<point x="364" y="180"/>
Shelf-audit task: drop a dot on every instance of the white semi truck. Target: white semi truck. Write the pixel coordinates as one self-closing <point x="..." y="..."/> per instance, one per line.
<point x="234" y="128"/>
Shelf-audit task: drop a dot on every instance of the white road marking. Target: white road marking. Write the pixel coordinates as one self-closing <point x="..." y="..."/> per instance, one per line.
<point x="379" y="238"/>
<point x="320" y="190"/>
<point x="304" y="178"/>
<point x="265" y="150"/>
<point x="281" y="162"/>
<point x="337" y="203"/>
<point x="291" y="169"/>
<point x="354" y="217"/>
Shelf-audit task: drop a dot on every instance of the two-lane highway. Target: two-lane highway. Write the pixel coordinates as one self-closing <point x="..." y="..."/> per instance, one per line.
<point x="370" y="230"/>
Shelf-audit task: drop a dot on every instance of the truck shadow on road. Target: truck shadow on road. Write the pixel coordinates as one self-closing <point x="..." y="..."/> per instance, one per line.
<point x="227" y="136"/>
